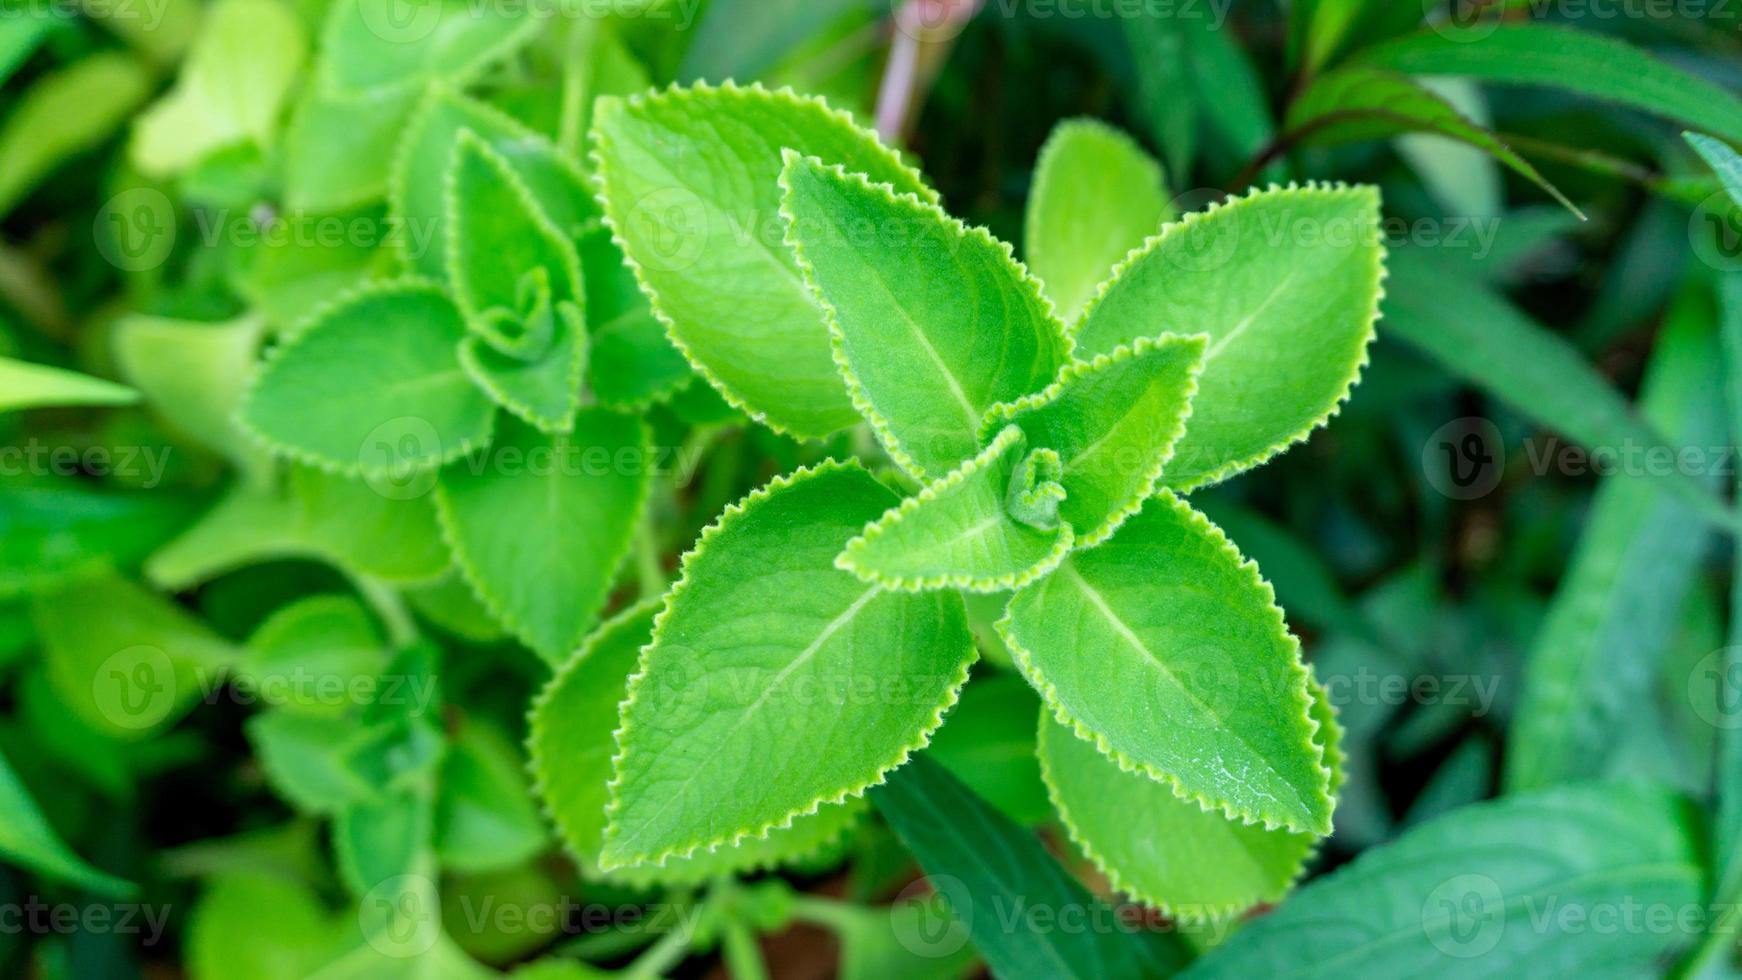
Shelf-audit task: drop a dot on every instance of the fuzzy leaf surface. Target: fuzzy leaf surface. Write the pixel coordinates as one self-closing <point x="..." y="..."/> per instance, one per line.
<point x="1286" y="283"/>
<point x="737" y="722"/>
<point x="1194" y="679"/>
<point x="539" y="523"/>
<point x="690" y="183"/>
<point x="1113" y="422"/>
<point x="1097" y="195"/>
<point x="932" y="325"/>
<point x="373" y="385"/>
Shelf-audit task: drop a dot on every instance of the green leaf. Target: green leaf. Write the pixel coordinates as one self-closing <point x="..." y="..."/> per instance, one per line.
<point x="386" y="842"/>
<point x="1599" y="651"/>
<point x="194" y="375"/>
<point x="372" y="386"/>
<point x="539" y="523"/>
<point x="1560" y="57"/>
<point x="574" y="721"/>
<point x="1482" y="338"/>
<point x="1727" y="664"/>
<point x="485" y="819"/>
<point x="64" y="114"/>
<point x="1096" y="197"/>
<point x="19" y="37"/>
<point x="54" y="530"/>
<point x="26" y="385"/>
<point x="1286" y="283"/>
<point x="296" y="267"/>
<point x="1723" y="160"/>
<point x="334" y="147"/>
<point x="371" y="45"/>
<point x="1184" y="631"/>
<point x="306" y="759"/>
<point x="542" y="389"/>
<point x="128" y="662"/>
<point x="932" y="322"/>
<point x="988" y="743"/>
<point x="1114" y="422"/>
<point x="690" y="183"/>
<point x="245" y="527"/>
<point x="257" y="926"/>
<point x="309" y="656"/>
<point x="27" y="840"/>
<point x="232" y="87"/>
<point x="981" y="863"/>
<point x="743" y="38"/>
<point x="390" y="536"/>
<point x="418" y="192"/>
<point x="1165" y="101"/>
<point x="1509" y="888"/>
<point x="1207" y="867"/>
<point x="1356" y="104"/>
<point x="738" y="722"/>
<point x="630" y="362"/>
<point x="967" y="530"/>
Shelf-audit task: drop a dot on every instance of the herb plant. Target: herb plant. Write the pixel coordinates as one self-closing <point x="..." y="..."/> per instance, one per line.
<point x="481" y="490"/>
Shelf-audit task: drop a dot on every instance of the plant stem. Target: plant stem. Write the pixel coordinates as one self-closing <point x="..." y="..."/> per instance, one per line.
<point x="833" y="915"/>
<point x="743" y="956"/>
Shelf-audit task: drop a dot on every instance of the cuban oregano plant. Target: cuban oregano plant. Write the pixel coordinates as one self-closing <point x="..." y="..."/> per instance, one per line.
<point x="820" y="631"/>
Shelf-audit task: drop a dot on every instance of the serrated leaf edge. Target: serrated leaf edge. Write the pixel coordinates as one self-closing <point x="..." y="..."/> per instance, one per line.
<point x="1005" y="414"/>
<point x="931" y="491"/>
<point x="1301" y="699"/>
<point x="1254" y="194"/>
<point x="480" y="590"/>
<point x="597" y="141"/>
<point x="290" y="338"/>
<point x="856" y="392"/>
<point x="920" y="740"/>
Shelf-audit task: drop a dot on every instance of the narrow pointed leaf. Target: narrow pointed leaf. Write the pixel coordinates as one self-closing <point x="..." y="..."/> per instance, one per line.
<point x="539" y="523"/>
<point x="372" y="385"/>
<point x="573" y="724"/>
<point x="1723" y="160"/>
<point x="1511" y="888"/>
<point x="26" y="839"/>
<point x="194" y="375"/>
<point x="986" y="867"/>
<point x="1356" y="104"/>
<point x="26" y="385"/>
<point x="1097" y="195"/>
<point x="1207" y="866"/>
<point x="929" y="330"/>
<point x="751" y="709"/>
<point x="1565" y="58"/>
<point x="690" y="182"/>
<point x="1286" y="283"/>
<point x="960" y="532"/>
<point x="1114" y="422"/>
<point x="1195" y="682"/>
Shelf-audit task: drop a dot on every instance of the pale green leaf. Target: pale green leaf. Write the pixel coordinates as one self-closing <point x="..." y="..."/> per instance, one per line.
<point x="245" y="527"/>
<point x="485" y="819"/>
<point x="572" y="742"/>
<point x="370" y="45"/>
<point x="1723" y="160"/>
<point x="962" y="531"/>
<point x="1561" y="57"/>
<point x="1195" y="680"/>
<point x="372" y="385"/>
<point x="1286" y="283"/>
<point x="630" y="362"/>
<point x="690" y="183"/>
<point x="390" y="536"/>
<point x="981" y="863"/>
<point x="296" y="265"/>
<point x="26" y="385"/>
<point x="386" y="841"/>
<point x="232" y="87"/>
<point x="308" y="657"/>
<point x="194" y="375"/>
<point x="1597" y="655"/>
<point x="418" y="191"/>
<point x="1193" y="864"/>
<point x="65" y="113"/>
<point x="1356" y="104"/>
<point x="776" y="684"/>
<point x="128" y="662"/>
<point x="1096" y="196"/>
<point x="1114" y="422"/>
<point x="1506" y="889"/>
<point x="335" y="144"/>
<point x="257" y="926"/>
<point x="539" y="523"/>
<point x="27" y="840"/>
<point x="306" y="759"/>
<point x="932" y="322"/>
